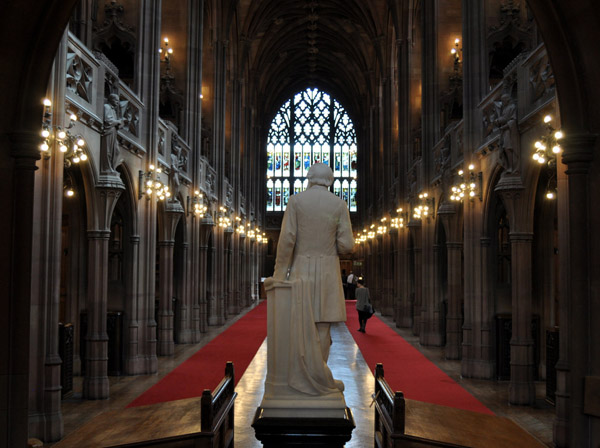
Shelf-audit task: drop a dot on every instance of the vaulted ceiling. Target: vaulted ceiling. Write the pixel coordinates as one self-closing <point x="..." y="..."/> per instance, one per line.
<point x="330" y="44"/>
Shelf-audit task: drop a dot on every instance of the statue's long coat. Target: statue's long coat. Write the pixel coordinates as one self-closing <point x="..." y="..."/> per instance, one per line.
<point x="316" y="228"/>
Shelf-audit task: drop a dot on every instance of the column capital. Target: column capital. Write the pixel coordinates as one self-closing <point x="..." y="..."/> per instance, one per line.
<point x="578" y="152"/>
<point x="24" y="148"/>
<point x="520" y="236"/>
<point x="98" y="234"/>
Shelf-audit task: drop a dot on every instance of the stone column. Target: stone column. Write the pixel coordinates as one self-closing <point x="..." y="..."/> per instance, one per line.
<point x="167" y="223"/>
<point x="416" y="309"/>
<point x="16" y="307"/>
<point x="132" y="354"/>
<point x="455" y="295"/>
<point x="406" y="320"/>
<point x="578" y="306"/>
<point x="521" y="388"/>
<point x="95" y="382"/>
<point x="182" y="324"/>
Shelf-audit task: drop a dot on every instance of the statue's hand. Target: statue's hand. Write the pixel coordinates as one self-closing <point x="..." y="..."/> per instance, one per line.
<point x="269" y="282"/>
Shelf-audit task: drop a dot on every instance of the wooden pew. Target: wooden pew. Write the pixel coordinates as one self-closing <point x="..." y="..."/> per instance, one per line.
<point x="402" y="423"/>
<point x="203" y="422"/>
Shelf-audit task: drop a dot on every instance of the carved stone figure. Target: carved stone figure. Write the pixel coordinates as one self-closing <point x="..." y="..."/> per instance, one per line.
<point x="509" y="135"/>
<point x="113" y="120"/>
<point x="316" y="228"/>
<point x="175" y="166"/>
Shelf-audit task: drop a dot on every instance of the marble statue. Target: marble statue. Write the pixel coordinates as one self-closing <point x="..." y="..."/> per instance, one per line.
<point x="110" y="144"/>
<point x="509" y="135"/>
<point x="316" y="228"/>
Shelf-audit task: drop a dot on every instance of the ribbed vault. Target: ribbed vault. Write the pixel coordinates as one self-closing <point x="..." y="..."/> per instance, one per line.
<point x="326" y="44"/>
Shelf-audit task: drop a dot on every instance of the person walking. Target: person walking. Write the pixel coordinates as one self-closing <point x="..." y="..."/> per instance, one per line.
<point x="363" y="304"/>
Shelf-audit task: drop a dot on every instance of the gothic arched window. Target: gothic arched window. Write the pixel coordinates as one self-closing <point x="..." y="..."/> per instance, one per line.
<point x="310" y="127"/>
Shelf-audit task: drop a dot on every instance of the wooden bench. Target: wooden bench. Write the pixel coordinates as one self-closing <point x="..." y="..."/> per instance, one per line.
<point x="414" y="424"/>
<point x="191" y="423"/>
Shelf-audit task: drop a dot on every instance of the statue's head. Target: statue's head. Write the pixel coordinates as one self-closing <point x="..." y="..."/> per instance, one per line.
<point x="113" y="99"/>
<point x="320" y="174"/>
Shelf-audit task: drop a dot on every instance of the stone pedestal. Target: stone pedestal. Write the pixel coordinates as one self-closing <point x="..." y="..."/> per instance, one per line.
<point x="287" y="417"/>
<point x="303" y="431"/>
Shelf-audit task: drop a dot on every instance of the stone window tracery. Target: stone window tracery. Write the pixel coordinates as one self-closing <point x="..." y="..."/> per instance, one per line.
<point x="310" y="127"/>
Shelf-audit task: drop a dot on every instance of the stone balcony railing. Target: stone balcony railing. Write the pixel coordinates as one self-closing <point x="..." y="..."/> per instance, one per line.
<point x="90" y="77"/>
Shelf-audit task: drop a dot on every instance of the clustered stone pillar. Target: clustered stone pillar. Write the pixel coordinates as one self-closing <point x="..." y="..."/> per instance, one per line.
<point x="95" y="383"/>
<point x="455" y="292"/>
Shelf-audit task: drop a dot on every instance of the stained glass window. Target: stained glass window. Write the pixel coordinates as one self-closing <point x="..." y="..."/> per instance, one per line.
<point x="310" y="127"/>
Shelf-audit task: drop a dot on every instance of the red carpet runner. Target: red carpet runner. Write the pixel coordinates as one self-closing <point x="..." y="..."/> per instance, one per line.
<point x="205" y="368"/>
<point x="406" y="369"/>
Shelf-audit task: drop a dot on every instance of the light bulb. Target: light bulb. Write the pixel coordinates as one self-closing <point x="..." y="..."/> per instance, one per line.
<point x="44" y="146"/>
<point x="62" y="135"/>
<point x="151" y="167"/>
<point x="76" y="159"/>
<point x="472" y="194"/>
<point x="472" y="185"/>
<point x="550" y="195"/>
<point x="556" y="149"/>
<point x="460" y="172"/>
<point x="81" y="142"/>
<point x="453" y="51"/>
<point x="538" y="144"/>
<point x="170" y="51"/>
<point x="558" y="135"/>
<point x="536" y="156"/>
<point x="70" y="192"/>
<point x="471" y="167"/>
<point x="166" y="39"/>
<point x="457" y="40"/>
<point x="45" y="133"/>
<point x="83" y="157"/>
<point x="63" y="148"/>
<point x="149" y="191"/>
<point x="149" y="183"/>
<point x="547" y="119"/>
<point x="73" y="117"/>
<point x="47" y="102"/>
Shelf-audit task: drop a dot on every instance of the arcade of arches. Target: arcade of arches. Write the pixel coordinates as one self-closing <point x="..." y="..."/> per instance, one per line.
<point x="160" y="223"/>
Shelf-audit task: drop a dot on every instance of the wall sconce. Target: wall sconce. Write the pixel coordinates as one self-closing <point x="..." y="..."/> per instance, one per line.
<point x="425" y="207"/>
<point x="456" y="51"/>
<point x="150" y="185"/>
<point x="68" y="188"/>
<point x="196" y="205"/>
<point x="166" y="53"/>
<point x="224" y="220"/>
<point x="70" y="145"/>
<point x="470" y="186"/>
<point x="548" y="147"/>
<point x="400" y="220"/>
<point x="382" y="228"/>
<point x="240" y="228"/>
